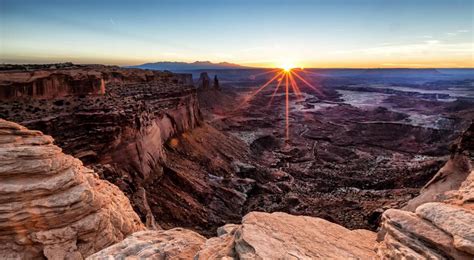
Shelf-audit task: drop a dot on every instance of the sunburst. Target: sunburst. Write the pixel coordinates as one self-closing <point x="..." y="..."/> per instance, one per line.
<point x="287" y="76"/>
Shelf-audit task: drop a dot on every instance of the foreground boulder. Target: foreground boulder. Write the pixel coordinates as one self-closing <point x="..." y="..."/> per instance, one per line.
<point x="175" y="243"/>
<point x="282" y="236"/>
<point x="260" y="236"/>
<point x="442" y="224"/>
<point x="50" y="205"/>
<point x="437" y="230"/>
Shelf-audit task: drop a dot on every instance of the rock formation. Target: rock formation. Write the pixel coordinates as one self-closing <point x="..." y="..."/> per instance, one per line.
<point x="216" y="83"/>
<point x="60" y="80"/>
<point x="50" y="205"/>
<point x="204" y="82"/>
<point x="174" y="243"/>
<point x="451" y="175"/>
<point x="49" y="85"/>
<point x="442" y="224"/>
<point x="260" y="236"/>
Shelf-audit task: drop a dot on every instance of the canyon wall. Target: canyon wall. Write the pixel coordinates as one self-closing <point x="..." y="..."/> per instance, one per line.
<point x="145" y="134"/>
<point x="50" y="205"/>
<point x="19" y="82"/>
<point x="138" y="112"/>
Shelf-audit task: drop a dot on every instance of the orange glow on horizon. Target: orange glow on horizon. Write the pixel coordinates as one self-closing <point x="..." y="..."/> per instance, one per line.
<point x="415" y="63"/>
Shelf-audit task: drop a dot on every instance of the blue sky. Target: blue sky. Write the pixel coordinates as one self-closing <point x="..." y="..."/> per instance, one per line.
<point x="355" y="33"/>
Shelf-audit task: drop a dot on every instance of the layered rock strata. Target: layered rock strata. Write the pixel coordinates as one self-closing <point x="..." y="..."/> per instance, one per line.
<point x="20" y="82"/>
<point x="125" y="128"/>
<point x="51" y="206"/>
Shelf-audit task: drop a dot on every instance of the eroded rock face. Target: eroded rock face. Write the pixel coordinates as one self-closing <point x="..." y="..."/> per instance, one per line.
<point x="442" y="225"/>
<point x="19" y="82"/>
<point x="260" y="236"/>
<point x="50" y="205"/>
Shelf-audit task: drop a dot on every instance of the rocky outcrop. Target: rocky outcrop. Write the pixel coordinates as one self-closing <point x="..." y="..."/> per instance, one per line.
<point x="216" y="83"/>
<point x="441" y="226"/>
<point x="204" y="82"/>
<point x="175" y="243"/>
<point x="51" y="206"/>
<point x="260" y="236"/>
<point x="280" y="235"/>
<point x="436" y="231"/>
<point x="49" y="85"/>
<point x="451" y="175"/>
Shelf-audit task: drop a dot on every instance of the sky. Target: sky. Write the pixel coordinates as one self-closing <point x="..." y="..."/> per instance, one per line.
<point x="263" y="33"/>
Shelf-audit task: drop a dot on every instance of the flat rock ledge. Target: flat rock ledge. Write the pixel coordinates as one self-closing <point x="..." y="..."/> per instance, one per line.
<point x="260" y="236"/>
<point x="436" y="230"/>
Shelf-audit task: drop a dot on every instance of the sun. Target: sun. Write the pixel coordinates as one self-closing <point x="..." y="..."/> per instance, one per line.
<point x="287" y="67"/>
<point x="285" y="78"/>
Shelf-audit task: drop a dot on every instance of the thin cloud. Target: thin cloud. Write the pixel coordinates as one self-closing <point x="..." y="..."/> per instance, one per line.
<point x="421" y="49"/>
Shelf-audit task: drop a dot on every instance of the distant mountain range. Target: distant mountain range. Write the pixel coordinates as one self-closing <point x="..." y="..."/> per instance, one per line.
<point x="184" y="66"/>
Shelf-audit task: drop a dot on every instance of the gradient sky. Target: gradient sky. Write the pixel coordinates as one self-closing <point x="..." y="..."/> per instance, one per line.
<point x="377" y="33"/>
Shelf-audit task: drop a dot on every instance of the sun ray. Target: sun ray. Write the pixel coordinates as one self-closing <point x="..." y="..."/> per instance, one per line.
<point x="291" y="79"/>
<point x="294" y="86"/>
<point x="287" y="106"/>
<point x="265" y="85"/>
<point x="306" y="72"/>
<point x="264" y="73"/>
<point x="280" y="80"/>
<point x="307" y="83"/>
<point x="248" y="98"/>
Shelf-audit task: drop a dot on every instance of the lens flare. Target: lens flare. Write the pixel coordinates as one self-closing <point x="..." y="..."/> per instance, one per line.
<point x="288" y="76"/>
<point x="287" y="67"/>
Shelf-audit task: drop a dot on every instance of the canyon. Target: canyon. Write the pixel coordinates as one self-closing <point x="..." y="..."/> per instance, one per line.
<point x="191" y="160"/>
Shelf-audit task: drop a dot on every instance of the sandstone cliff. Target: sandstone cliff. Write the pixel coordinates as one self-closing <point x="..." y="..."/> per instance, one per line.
<point x="60" y="80"/>
<point x="50" y="205"/>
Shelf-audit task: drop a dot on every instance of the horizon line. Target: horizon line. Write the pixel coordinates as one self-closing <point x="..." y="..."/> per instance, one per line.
<point x="237" y="68"/>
